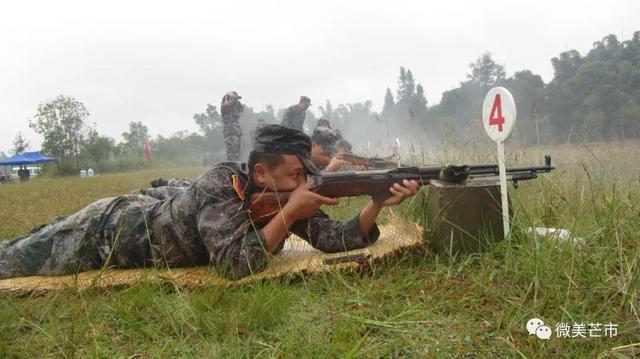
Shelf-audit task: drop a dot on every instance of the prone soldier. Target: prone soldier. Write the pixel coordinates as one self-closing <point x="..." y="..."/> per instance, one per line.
<point x="323" y="150"/>
<point x="203" y="223"/>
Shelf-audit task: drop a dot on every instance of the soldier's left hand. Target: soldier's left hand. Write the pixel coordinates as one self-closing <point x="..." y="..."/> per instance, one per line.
<point x="400" y="192"/>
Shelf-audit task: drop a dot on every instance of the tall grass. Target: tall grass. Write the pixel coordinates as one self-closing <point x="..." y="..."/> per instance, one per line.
<point x="416" y="305"/>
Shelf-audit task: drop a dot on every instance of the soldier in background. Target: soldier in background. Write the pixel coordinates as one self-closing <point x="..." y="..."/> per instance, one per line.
<point x="230" y="109"/>
<point x="324" y="152"/>
<point x="323" y="122"/>
<point x="343" y="146"/>
<point x="295" y="114"/>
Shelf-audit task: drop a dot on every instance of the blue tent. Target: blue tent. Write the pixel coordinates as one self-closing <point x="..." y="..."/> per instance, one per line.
<point x="26" y="158"/>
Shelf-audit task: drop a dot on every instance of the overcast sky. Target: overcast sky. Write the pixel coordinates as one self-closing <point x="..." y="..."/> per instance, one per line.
<point x="160" y="63"/>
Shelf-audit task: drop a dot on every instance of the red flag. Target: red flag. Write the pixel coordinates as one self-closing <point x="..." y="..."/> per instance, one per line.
<point x="147" y="152"/>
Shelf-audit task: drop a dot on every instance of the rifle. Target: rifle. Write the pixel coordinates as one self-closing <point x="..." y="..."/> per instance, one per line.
<point x="369" y="162"/>
<point x="264" y="205"/>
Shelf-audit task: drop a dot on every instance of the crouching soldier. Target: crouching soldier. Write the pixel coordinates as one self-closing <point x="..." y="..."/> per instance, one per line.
<point x="204" y="223"/>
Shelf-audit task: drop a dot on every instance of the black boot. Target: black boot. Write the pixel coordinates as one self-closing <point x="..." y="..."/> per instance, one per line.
<point x="159" y="183"/>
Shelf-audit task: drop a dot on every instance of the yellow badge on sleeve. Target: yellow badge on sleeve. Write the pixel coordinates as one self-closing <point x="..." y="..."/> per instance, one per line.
<point x="237" y="186"/>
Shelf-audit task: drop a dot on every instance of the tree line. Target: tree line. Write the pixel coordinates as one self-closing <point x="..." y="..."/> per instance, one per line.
<point x="70" y="136"/>
<point x="590" y="98"/>
<point x="593" y="97"/>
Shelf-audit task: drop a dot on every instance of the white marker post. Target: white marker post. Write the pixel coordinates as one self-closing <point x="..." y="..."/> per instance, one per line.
<point x="499" y="117"/>
<point x="397" y="150"/>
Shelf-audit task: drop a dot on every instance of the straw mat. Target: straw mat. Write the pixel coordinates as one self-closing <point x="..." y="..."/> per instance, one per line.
<point x="296" y="258"/>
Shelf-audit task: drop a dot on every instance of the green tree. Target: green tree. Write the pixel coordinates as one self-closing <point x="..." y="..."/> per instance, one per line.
<point x="209" y="120"/>
<point x="210" y="123"/>
<point x="389" y="104"/>
<point x="20" y="144"/>
<point x="135" y="139"/>
<point x="327" y="111"/>
<point x="410" y="86"/>
<point x="181" y="146"/>
<point x="594" y="97"/>
<point x="62" y="124"/>
<point x="411" y="104"/>
<point x="98" y="148"/>
<point x="528" y="91"/>
<point x="486" y="72"/>
<point x="406" y="85"/>
<point x="402" y="83"/>
<point x="419" y="102"/>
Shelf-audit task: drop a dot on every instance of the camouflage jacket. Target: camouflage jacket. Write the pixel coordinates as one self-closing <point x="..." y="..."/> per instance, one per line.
<point x="231" y="112"/>
<point x="294" y="118"/>
<point x="207" y="223"/>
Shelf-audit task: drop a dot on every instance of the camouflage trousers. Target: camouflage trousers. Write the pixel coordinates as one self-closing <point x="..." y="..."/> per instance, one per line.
<point x="161" y="193"/>
<point x="173" y="186"/>
<point x="179" y="182"/>
<point x="232" y="139"/>
<point x="111" y="231"/>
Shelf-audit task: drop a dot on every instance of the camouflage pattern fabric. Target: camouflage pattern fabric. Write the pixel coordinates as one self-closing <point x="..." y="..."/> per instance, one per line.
<point x="212" y="211"/>
<point x="160" y="193"/>
<point x="179" y="182"/>
<point x="231" y="131"/>
<point x="113" y="231"/>
<point x="164" y="189"/>
<point x="199" y="224"/>
<point x="294" y="118"/>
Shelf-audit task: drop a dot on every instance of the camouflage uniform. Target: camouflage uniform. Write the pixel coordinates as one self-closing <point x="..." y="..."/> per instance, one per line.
<point x="161" y="193"/>
<point x="294" y="118"/>
<point x="179" y="182"/>
<point x="232" y="132"/>
<point x="325" y="137"/>
<point x="199" y="224"/>
<point x="84" y="240"/>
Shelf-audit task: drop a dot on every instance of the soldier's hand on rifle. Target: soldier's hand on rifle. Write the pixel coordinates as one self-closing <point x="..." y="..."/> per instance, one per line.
<point x="335" y="164"/>
<point x="400" y="192"/>
<point x="304" y="204"/>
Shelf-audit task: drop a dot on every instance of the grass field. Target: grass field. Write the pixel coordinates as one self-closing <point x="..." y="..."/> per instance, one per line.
<point x="419" y="305"/>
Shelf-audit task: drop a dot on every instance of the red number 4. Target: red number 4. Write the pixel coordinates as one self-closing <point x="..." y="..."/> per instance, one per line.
<point x="496" y="118"/>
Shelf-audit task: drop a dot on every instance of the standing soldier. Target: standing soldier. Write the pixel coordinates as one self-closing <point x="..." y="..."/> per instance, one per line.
<point x="294" y="116"/>
<point x="230" y="109"/>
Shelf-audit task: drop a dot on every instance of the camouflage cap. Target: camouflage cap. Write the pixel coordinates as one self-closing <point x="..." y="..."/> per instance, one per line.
<point x="305" y="99"/>
<point x="323" y="122"/>
<point x="326" y="137"/>
<point x="282" y="140"/>
<point x="346" y="145"/>
<point x="233" y="94"/>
